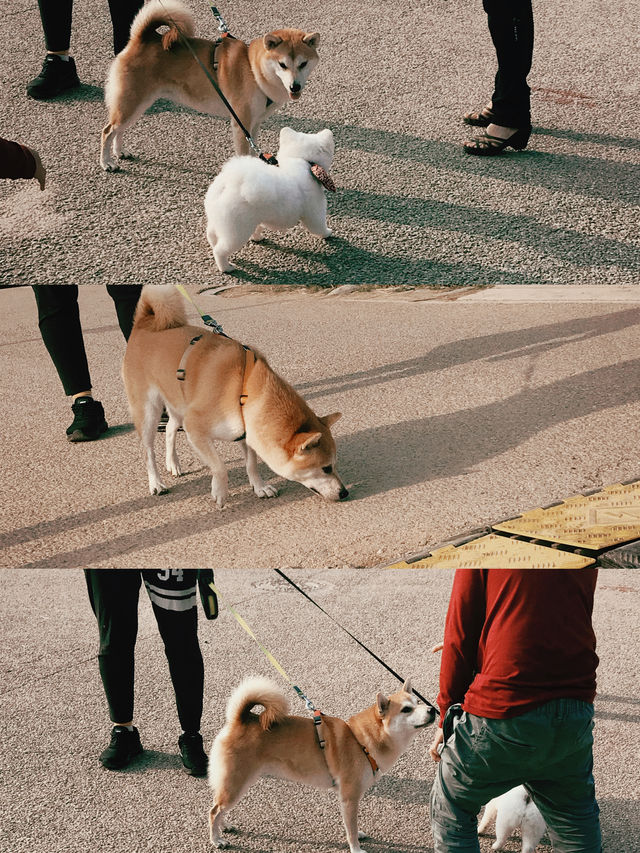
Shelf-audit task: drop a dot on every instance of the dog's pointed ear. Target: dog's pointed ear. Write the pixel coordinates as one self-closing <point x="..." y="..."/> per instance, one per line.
<point x="329" y="420"/>
<point x="407" y="686"/>
<point x="382" y="704"/>
<point x="312" y="40"/>
<point x="271" y="41"/>
<point x="305" y="441"/>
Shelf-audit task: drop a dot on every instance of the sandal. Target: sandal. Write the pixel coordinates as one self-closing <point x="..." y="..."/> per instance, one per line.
<point x="486" y="145"/>
<point x="481" y="119"/>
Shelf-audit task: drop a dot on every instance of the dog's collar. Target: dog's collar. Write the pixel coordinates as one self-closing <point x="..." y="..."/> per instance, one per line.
<point x="322" y="176"/>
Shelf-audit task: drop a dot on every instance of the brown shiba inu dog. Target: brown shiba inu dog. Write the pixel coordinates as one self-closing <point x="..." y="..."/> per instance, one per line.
<point x="273" y="743"/>
<point x="217" y="389"/>
<point x="256" y="79"/>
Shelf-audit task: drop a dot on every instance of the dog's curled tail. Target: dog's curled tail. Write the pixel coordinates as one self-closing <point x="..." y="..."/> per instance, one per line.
<point x="160" y="307"/>
<point x="257" y="691"/>
<point x="168" y="13"/>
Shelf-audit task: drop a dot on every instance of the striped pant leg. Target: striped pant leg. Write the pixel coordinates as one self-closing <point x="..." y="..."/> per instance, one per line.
<point x="174" y="594"/>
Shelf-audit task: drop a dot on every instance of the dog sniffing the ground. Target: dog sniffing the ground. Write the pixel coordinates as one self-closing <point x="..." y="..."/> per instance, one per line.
<point x="216" y="389"/>
<point x="257" y="79"/>
<point x="250" y="194"/>
<point x="355" y="753"/>
<point x="510" y="811"/>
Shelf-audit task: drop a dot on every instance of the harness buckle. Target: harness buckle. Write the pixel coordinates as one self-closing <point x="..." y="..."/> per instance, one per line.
<point x="180" y="374"/>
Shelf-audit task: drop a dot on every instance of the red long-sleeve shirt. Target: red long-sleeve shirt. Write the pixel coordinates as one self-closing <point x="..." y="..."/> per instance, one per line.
<point x="517" y="638"/>
<point x="16" y="161"/>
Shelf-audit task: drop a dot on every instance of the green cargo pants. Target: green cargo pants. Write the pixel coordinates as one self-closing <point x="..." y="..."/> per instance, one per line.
<point x="549" y="750"/>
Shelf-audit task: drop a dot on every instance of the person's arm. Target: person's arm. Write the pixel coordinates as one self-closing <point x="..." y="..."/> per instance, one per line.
<point x="20" y="161"/>
<point x="463" y="626"/>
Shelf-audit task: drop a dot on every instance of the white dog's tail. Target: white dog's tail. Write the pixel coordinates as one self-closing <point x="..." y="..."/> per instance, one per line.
<point x="257" y="691"/>
<point x="160" y="307"/>
<point x="168" y="13"/>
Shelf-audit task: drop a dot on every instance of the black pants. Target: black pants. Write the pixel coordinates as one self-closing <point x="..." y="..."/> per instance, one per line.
<point x="511" y="28"/>
<point x="113" y="594"/>
<point x="56" y="22"/>
<point x="59" y="322"/>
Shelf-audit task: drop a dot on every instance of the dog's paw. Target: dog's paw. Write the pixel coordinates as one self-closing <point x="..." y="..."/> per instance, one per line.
<point x="219" y="495"/>
<point x="266" y="491"/>
<point x="125" y="154"/>
<point x="175" y="469"/>
<point x="221" y="842"/>
<point x="258" y="234"/>
<point x="110" y="167"/>
<point x="158" y="489"/>
<point x="328" y="233"/>
<point x="362" y="834"/>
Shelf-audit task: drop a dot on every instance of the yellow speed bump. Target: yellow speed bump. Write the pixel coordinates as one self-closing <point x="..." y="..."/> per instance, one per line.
<point x="603" y="520"/>
<point x="498" y="552"/>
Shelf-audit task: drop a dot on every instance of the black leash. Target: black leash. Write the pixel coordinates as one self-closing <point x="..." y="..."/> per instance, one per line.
<point x="362" y="645"/>
<point x="268" y="158"/>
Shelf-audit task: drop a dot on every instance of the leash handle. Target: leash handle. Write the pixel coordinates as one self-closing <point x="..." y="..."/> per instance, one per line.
<point x="362" y="645"/>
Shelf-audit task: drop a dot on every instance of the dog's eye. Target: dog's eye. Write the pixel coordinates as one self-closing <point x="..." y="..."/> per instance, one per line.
<point x="302" y="64"/>
<point x="328" y="469"/>
<point x="406" y="710"/>
<point x="283" y="65"/>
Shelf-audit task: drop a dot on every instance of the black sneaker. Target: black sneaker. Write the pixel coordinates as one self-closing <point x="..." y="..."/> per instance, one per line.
<point x="88" y="422"/>
<point x="57" y="76"/>
<point x="124" y="746"/>
<point x="193" y="755"/>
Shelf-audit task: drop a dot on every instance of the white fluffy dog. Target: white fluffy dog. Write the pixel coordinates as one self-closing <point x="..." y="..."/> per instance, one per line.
<point x="249" y="194"/>
<point x="512" y="810"/>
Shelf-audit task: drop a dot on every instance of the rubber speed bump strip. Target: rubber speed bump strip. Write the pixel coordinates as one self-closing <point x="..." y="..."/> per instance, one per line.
<point x="602" y="520"/>
<point x="498" y="552"/>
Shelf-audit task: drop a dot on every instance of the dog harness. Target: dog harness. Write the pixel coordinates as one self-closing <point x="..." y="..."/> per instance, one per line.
<point x="317" y="721"/>
<point x="249" y="362"/>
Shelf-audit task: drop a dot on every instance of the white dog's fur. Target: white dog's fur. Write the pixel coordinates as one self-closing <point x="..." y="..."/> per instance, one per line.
<point x="512" y="810"/>
<point x="249" y="194"/>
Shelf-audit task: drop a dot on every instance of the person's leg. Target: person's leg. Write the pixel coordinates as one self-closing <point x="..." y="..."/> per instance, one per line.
<point x="59" y="324"/>
<point x="462" y="786"/>
<point x="567" y="800"/>
<point x="113" y="595"/>
<point x="125" y="298"/>
<point x="58" y="71"/>
<point x="511" y="28"/>
<point x="122" y="14"/>
<point x="174" y="594"/>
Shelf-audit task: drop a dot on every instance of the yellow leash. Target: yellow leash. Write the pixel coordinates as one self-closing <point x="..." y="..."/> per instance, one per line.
<point x="207" y="319"/>
<point x="272" y="660"/>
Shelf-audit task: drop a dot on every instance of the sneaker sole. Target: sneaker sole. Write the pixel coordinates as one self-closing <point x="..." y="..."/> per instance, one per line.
<point x="109" y="765"/>
<point x="81" y="435"/>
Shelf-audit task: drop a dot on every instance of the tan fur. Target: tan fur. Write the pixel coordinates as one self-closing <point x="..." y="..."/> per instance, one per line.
<point x="257" y="691"/>
<point x="279" y="426"/>
<point x="154" y="66"/>
<point x="288" y="748"/>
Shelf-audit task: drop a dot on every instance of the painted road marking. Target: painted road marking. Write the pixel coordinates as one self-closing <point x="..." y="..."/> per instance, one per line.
<point x="498" y="552"/>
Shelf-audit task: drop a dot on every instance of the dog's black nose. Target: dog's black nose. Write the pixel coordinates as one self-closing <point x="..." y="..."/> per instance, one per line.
<point x="295" y="87"/>
<point x="344" y="493"/>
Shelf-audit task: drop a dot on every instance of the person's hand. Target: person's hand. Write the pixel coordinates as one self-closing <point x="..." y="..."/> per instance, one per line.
<point x="41" y="172"/>
<point x="433" y="749"/>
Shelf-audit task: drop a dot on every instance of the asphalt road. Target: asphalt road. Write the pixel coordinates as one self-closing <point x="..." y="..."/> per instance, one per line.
<point x="456" y="413"/>
<point x="393" y="82"/>
<point x="56" y="798"/>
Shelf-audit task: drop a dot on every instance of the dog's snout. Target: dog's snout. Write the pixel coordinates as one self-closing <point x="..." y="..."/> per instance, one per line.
<point x="295" y="87"/>
<point x="344" y="493"/>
